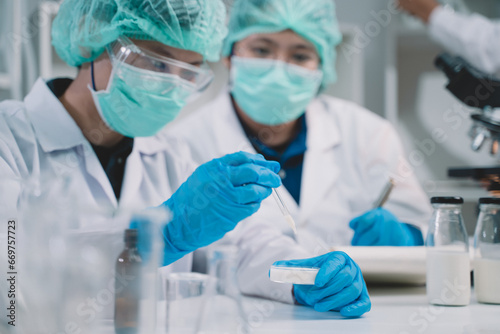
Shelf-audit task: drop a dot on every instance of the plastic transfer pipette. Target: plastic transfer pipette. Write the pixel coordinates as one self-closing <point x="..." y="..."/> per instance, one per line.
<point x="284" y="210"/>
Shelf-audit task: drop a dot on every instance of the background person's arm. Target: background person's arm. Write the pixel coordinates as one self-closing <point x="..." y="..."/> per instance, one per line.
<point x="419" y="8"/>
<point x="473" y="37"/>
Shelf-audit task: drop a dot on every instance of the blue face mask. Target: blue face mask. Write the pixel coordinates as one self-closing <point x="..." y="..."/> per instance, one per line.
<point x="272" y="92"/>
<point x="143" y="109"/>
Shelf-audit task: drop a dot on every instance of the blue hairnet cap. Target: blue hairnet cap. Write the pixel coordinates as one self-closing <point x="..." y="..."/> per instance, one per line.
<point x="314" y="20"/>
<point x="83" y="28"/>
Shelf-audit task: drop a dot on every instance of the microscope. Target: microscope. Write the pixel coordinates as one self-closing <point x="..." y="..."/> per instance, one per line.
<point x="481" y="92"/>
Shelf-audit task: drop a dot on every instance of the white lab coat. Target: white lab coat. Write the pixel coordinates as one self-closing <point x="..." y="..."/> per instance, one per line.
<point x="39" y="139"/>
<point x="473" y="37"/>
<point x="351" y="153"/>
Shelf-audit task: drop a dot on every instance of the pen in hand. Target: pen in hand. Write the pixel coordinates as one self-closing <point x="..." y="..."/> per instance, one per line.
<point x="384" y="195"/>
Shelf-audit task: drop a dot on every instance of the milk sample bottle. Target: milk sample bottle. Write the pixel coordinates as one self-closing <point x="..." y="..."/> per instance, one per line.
<point x="448" y="264"/>
<point x="487" y="252"/>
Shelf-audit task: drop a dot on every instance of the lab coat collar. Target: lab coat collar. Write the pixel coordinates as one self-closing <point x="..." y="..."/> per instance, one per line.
<point x="46" y="114"/>
<point x="323" y="132"/>
<point x="149" y="145"/>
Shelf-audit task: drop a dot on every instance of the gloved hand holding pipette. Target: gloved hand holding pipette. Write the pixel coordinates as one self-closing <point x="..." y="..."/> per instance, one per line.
<point x="339" y="285"/>
<point x="214" y="199"/>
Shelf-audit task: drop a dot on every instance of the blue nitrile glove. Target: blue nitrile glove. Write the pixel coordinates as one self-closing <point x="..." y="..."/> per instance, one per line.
<point x="215" y="198"/>
<point x="339" y="285"/>
<point x="380" y="227"/>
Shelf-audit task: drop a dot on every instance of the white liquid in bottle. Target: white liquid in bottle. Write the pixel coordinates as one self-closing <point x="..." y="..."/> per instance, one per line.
<point x="448" y="278"/>
<point x="487" y="280"/>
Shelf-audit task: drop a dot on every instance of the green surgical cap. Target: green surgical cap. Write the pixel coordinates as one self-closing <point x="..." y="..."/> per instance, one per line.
<point x="83" y="28"/>
<point x="314" y="20"/>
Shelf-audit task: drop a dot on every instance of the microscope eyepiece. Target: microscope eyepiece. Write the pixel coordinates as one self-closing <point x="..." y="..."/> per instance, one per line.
<point x="450" y="65"/>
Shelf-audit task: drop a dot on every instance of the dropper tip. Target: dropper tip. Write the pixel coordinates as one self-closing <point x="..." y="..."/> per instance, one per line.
<point x="291" y="222"/>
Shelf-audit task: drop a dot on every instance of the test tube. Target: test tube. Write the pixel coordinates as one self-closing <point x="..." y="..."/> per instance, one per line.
<point x="284" y="210"/>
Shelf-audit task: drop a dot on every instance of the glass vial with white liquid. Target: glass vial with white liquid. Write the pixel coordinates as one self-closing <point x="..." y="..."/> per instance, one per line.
<point x="448" y="262"/>
<point x="487" y="252"/>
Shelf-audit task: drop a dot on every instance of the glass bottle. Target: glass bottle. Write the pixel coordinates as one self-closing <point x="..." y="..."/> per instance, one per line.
<point x="487" y="252"/>
<point x="448" y="262"/>
<point x="128" y="294"/>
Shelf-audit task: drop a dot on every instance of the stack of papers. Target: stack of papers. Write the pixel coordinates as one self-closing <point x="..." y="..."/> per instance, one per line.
<point x="390" y="265"/>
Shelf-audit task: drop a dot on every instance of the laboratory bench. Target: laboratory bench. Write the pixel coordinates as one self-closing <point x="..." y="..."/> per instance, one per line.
<point x="395" y="310"/>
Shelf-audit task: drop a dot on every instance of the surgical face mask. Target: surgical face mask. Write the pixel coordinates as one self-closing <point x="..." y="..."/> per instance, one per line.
<point x="145" y="93"/>
<point x="272" y="92"/>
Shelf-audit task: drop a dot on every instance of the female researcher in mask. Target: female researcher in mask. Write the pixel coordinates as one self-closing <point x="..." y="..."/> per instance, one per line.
<point x="335" y="156"/>
<point x="139" y="63"/>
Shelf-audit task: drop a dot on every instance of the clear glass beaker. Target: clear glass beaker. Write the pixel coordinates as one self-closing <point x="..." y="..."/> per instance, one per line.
<point x="226" y="313"/>
<point x="487" y="252"/>
<point x="448" y="263"/>
<point x="186" y="302"/>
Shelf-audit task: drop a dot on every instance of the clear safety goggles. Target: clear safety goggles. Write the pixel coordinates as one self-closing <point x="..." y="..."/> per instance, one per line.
<point x="123" y="50"/>
<point x="304" y="58"/>
<point x="265" y="67"/>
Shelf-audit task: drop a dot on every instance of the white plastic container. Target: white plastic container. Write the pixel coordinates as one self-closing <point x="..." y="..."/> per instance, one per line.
<point x="294" y="275"/>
